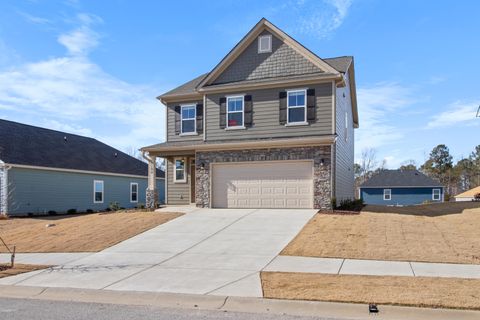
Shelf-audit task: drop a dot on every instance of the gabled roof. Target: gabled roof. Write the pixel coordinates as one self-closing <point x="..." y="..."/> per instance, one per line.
<point x="188" y="88"/>
<point x="328" y="69"/>
<point x="251" y="36"/>
<point x="22" y="144"/>
<point x="341" y="64"/>
<point x="469" y="193"/>
<point x="400" y="178"/>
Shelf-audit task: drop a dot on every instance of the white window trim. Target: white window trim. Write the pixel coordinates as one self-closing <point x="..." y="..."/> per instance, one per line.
<point x="94" y="191"/>
<point x="439" y="194"/>
<point x="131" y="192"/>
<point x="385" y="194"/>
<point x="194" y="132"/>
<point x="227" y="127"/>
<point x="271" y="44"/>
<point x="305" y="122"/>
<point x="184" y="180"/>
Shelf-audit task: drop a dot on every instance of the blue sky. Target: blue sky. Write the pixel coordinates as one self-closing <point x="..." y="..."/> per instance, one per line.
<point x="95" y="67"/>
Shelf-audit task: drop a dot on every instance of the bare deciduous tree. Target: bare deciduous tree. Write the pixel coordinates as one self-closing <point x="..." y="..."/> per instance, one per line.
<point x="368" y="163"/>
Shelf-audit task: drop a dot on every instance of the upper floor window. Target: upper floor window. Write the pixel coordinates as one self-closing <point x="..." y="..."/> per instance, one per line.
<point x="265" y="43"/>
<point x="179" y="174"/>
<point x="296" y="106"/>
<point x="133" y="192"/>
<point x="436" y="194"/>
<point x="97" y="191"/>
<point x="189" y="114"/>
<point x="387" y="194"/>
<point x="235" y="111"/>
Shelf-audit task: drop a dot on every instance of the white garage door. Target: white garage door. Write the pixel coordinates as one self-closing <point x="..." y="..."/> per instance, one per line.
<point x="281" y="184"/>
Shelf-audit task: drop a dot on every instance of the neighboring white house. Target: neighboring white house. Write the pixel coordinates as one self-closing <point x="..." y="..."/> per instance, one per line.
<point x="468" y="195"/>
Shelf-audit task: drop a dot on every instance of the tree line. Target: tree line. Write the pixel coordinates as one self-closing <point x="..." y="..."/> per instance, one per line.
<point x="456" y="177"/>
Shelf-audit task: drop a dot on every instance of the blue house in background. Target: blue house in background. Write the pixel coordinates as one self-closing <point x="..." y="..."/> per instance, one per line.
<point x="401" y="187"/>
<point x="44" y="170"/>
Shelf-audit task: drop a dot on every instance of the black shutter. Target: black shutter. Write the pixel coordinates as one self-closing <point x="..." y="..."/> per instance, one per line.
<point x="311" y="106"/>
<point x="248" y="110"/>
<point x="283" y="107"/>
<point x="177" y="119"/>
<point x="223" y="112"/>
<point x="199" y="118"/>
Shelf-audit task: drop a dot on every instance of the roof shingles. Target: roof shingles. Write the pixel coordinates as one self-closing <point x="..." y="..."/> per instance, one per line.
<point x="33" y="146"/>
<point x="400" y="178"/>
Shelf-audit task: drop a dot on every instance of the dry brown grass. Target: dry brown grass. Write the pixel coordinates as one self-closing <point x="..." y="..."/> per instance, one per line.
<point x="450" y="238"/>
<point x="78" y="233"/>
<point x="409" y="291"/>
<point x="6" y="271"/>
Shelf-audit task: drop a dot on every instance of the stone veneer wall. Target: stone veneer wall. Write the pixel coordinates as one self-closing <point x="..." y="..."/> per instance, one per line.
<point x="321" y="177"/>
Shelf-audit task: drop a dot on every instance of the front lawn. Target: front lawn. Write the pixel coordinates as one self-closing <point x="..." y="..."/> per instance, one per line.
<point x="409" y="291"/>
<point x="447" y="238"/>
<point x="77" y="233"/>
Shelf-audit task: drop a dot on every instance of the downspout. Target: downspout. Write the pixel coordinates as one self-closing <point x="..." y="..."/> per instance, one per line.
<point x="204" y="117"/>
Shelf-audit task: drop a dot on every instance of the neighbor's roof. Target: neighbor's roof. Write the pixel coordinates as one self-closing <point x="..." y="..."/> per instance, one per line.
<point x="340" y="64"/>
<point x="400" y="178"/>
<point x="469" y="193"/>
<point x="23" y="144"/>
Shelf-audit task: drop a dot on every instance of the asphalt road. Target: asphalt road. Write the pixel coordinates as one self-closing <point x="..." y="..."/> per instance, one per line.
<point x="25" y="309"/>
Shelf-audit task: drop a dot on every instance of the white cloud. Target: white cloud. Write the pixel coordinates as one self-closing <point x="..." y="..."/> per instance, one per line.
<point x="377" y="104"/>
<point x="83" y="39"/>
<point x="74" y="94"/>
<point x="34" y="19"/>
<point x="457" y="113"/>
<point x="321" y="18"/>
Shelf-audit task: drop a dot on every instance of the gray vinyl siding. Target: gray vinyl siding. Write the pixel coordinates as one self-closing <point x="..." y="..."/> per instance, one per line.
<point x="171" y="136"/>
<point x="266" y="116"/>
<point x="178" y="193"/>
<point x="38" y="191"/>
<point x="344" y="148"/>
<point x="283" y="61"/>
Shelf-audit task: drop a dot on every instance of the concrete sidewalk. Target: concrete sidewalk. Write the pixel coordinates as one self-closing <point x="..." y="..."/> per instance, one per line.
<point x="373" y="267"/>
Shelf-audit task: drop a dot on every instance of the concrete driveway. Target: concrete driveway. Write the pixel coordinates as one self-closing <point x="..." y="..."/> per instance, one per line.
<point x="207" y="251"/>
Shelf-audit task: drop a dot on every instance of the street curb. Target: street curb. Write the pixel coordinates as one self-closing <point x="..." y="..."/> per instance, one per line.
<point x="234" y="304"/>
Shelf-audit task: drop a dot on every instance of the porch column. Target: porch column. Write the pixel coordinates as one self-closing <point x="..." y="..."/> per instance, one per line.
<point x="151" y="198"/>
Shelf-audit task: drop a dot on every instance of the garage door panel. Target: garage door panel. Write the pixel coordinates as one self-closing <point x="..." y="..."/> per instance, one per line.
<point x="282" y="184"/>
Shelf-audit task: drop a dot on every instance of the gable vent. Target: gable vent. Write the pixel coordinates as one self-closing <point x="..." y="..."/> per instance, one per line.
<point x="265" y="43"/>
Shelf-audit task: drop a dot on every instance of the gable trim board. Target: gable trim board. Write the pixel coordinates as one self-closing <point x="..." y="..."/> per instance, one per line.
<point x="253" y="85"/>
<point x="251" y="36"/>
<point x="76" y="171"/>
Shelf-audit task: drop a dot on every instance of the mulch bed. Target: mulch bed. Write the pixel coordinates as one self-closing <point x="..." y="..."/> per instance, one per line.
<point x="339" y="212"/>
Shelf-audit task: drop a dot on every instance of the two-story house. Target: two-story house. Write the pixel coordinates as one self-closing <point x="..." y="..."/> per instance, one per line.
<point x="271" y="126"/>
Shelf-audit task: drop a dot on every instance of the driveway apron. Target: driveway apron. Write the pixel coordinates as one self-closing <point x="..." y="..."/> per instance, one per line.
<point x="207" y="251"/>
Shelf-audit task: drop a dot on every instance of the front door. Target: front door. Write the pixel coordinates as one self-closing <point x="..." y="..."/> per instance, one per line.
<point x="192" y="181"/>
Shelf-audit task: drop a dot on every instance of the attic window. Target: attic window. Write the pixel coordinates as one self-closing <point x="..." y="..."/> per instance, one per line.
<point x="265" y="43"/>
